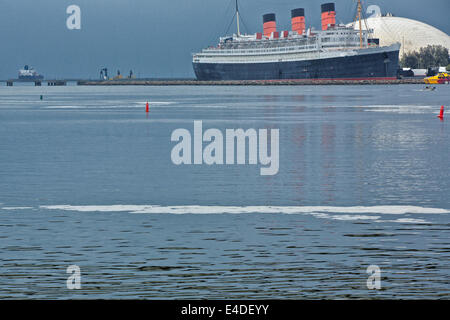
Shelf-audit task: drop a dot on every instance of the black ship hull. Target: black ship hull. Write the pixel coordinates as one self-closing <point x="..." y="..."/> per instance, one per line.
<point x="31" y="78"/>
<point x="378" y="65"/>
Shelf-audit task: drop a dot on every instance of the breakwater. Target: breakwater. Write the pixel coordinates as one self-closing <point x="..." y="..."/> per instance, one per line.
<point x="247" y="82"/>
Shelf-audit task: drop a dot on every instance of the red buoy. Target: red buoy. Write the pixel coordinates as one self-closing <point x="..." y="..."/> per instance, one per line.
<point x="147" y="108"/>
<point x="441" y="114"/>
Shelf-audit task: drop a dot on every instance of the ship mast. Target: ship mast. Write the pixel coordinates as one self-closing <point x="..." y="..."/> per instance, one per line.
<point x="360" y="24"/>
<point x="237" y="19"/>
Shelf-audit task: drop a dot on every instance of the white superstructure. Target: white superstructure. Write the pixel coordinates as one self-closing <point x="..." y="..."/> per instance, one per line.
<point x="336" y="42"/>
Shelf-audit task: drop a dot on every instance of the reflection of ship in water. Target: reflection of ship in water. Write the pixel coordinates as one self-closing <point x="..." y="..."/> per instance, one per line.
<point x="29" y="73"/>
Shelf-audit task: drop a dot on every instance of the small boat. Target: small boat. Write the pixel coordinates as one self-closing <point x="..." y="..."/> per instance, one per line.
<point x="441" y="78"/>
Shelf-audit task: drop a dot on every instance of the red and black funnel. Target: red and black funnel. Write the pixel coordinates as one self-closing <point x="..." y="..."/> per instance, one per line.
<point x="298" y="20"/>
<point x="270" y="24"/>
<point x="328" y="15"/>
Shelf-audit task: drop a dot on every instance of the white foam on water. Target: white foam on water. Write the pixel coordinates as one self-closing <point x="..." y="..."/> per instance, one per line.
<point x="343" y="217"/>
<point x="313" y="210"/>
<point x="407" y="220"/>
<point x="156" y="103"/>
<point x="64" y="107"/>
<point x="346" y="217"/>
<point x="111" y="208"/>
<point x="397" y="106"/>
<point x="206" y="106"/>
<point x="16" y="208"/>
<point x="94" y="107"/>
<point x="411" y="109"/>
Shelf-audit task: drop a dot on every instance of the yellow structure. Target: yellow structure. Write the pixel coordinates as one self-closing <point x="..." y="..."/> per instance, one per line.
<point x="441" y="78"/>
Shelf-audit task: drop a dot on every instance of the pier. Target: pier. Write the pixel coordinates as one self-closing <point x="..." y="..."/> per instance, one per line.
<point x="193" y="82"/>
<point x="38" y="83"/>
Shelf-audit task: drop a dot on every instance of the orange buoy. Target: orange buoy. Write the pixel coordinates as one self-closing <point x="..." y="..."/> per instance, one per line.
<point x="441" y="114"/>
<point x="147" y="108"/>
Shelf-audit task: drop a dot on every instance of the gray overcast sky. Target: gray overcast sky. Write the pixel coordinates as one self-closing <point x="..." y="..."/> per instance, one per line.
<point x="155" y="38"/>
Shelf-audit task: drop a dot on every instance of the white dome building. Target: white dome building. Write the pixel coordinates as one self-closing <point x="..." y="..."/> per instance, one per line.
<point x="412" y="34"/>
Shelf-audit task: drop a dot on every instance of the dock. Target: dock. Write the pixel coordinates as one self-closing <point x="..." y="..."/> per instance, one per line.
<point x="38" y="83"/>
<point x="193" y="82"/>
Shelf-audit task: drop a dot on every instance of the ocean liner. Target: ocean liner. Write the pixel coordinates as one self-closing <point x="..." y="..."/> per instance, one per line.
<point x="335" y="52"/>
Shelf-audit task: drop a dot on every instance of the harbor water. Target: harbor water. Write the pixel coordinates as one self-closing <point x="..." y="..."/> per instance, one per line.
<point x="86" y="179"/>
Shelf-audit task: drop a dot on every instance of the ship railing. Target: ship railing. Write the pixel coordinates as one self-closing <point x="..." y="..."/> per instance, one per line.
<point x="260" y="51"/>
<point x="264" y="45"/>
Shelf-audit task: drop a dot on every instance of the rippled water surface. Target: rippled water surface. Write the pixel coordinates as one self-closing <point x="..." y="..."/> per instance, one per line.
<point x="86" y="179"/>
